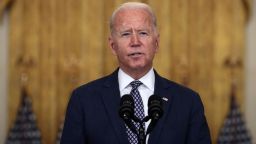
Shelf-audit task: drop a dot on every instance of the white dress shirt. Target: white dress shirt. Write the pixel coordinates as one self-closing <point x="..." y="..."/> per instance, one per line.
<point x="146" y="89"/>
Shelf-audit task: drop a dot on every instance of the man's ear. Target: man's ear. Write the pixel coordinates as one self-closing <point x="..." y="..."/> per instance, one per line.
<point x="111" y="44"/>
<point x="157" y="42"/>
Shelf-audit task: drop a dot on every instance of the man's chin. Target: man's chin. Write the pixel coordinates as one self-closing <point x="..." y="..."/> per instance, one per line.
<point x="139" y="68"/>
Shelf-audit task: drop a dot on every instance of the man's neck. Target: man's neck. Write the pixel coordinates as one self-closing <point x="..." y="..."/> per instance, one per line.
<point x="136" y="73"/>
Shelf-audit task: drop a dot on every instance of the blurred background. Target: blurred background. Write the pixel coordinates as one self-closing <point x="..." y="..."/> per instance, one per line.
<point x="49" y="47"/>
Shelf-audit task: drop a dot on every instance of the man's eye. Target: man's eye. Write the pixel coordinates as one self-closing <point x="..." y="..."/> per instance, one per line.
<point x="125" y="34"/>
<point x="143" y="33"/>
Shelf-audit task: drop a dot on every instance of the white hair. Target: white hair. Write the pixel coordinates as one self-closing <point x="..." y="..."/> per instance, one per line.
<point x="133" y="5"/>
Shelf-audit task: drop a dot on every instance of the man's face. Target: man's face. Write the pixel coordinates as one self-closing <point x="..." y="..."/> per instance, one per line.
<point x="134" y="40"/>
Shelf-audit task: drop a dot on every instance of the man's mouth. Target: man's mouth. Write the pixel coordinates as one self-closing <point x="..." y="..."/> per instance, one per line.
<point x="135" y="54"/>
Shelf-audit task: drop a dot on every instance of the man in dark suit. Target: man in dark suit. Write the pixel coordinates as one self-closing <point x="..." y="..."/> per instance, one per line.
<point x="92" y="113"/>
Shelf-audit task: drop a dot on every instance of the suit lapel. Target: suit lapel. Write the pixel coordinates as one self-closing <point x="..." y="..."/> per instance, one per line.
<point x="111" y="98"/>
<point x="161" y="89"/>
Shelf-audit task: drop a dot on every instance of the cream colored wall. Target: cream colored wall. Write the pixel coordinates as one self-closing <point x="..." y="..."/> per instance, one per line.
<point x="3" y="77"/>
<point x="250" y="68"/>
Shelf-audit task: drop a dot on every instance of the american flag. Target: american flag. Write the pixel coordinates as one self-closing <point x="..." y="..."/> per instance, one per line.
<point x="59" y="133"/>
<point x="24" y="130"/>
<point x="234" y="129"/>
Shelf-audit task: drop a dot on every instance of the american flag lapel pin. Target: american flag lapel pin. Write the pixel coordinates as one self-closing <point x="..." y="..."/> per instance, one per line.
<point x="165" y="99"/>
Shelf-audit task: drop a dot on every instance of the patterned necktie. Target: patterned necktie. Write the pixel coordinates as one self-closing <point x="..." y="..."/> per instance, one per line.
<point x="138" y="111"/>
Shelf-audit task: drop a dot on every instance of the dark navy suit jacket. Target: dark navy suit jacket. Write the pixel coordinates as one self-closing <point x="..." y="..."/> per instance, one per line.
<point x="92" y="115"/>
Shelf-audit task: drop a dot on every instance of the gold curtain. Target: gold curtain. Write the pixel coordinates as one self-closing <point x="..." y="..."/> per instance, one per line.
<point x="57" y="45"/>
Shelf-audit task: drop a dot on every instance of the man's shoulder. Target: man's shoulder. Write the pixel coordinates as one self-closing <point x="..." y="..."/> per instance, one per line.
<point x="181" y="94"/>
<point x="96" y="84"/>
<point x="178" y="91"/>
<point x="175" y="86"/>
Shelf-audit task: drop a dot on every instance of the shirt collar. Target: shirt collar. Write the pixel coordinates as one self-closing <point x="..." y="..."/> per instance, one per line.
<point x="148" y="79"/>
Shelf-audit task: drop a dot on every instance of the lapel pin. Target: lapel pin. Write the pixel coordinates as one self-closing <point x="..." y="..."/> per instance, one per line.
<point x="165" y="99"/>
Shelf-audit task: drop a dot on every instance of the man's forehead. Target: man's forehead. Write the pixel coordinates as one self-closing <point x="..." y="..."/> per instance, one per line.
<point x="131" y="27"/>
<point x="132" y="19"/>
<point x="132" y="15"/>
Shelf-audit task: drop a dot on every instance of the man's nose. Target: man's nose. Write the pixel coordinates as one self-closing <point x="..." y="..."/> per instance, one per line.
<point x="135" y="40"/>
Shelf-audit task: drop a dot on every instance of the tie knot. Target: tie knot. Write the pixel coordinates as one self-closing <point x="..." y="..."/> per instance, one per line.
<point x="135" y="84"/>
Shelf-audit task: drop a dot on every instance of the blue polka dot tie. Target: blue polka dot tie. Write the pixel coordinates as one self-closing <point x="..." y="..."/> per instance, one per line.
<point x="138" y="111"/>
